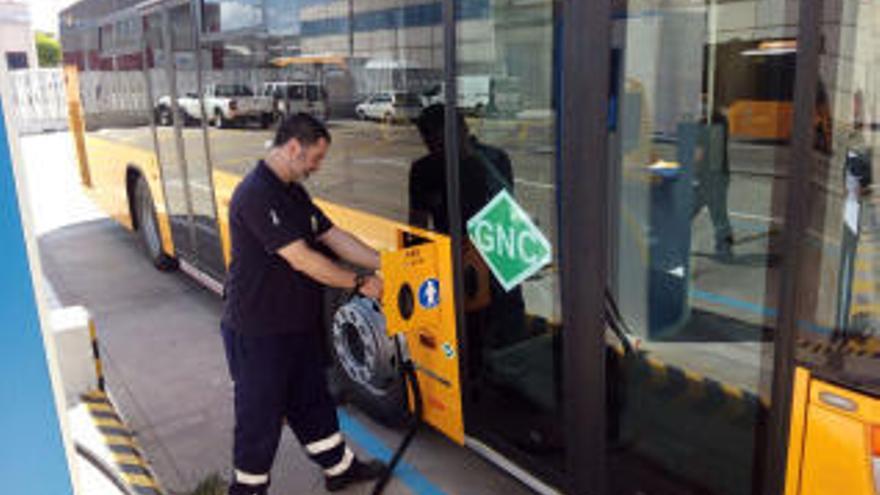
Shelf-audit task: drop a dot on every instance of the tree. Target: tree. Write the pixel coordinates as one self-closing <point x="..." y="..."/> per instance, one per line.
<point x="48" y="50"/>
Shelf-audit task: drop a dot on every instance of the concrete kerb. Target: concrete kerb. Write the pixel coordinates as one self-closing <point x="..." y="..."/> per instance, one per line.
<point x="100" y="432"/>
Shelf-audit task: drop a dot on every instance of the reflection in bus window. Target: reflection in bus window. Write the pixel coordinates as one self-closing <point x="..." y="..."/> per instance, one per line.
<point x="700" y="160"/>
<point x="839" y="338"/>
<point x="505" y="93"/>
<point x="231" y="15"/>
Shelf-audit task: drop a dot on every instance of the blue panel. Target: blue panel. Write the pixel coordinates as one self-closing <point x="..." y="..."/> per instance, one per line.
<point x="324" y="27"/>
<point x="31" y="453"/>
<point x="428" y="14"/>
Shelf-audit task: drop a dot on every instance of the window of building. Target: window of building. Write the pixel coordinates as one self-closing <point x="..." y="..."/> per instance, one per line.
<point x="16" y="60"/>
<point x="231" y="15"/>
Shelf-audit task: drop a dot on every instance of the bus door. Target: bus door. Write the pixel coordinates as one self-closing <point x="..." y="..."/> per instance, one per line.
<point x="180" y="139"/>
<point x="834" y="443"/>
<point x="508" y="192"/>
<point x="696" y="258"/>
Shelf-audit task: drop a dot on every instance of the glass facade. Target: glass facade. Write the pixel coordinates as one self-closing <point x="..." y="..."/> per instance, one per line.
<point x="698" y="145"/>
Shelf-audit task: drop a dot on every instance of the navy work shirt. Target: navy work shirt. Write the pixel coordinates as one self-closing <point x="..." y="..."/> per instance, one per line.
<point x="264" y="294"/>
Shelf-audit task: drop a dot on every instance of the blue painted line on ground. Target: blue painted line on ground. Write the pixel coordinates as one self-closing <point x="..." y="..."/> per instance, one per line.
<point x="405" y="472"/>
<point x="815" y="327"/>
<point x="756" y="309"/>
<point x="733" y="303"/>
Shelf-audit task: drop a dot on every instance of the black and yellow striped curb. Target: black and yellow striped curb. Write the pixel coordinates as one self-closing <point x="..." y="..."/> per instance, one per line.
<point x="697" y="392"/>
<point x="96" y="355"/>
<point x="122" y="444"/>
<point x="678" y="384"/>
<point x="868" y="348"/>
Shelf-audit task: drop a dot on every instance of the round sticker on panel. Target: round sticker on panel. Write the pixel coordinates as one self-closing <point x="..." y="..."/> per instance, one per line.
<point x="429" y="293"/>
<point x="448" y="350"/>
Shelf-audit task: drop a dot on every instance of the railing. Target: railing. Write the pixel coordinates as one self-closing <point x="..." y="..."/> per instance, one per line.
<point x="38" y="100"/>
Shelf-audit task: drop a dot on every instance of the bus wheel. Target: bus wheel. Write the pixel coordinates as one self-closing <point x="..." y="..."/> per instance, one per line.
<point x="148" y="228"/>
<point x="364" y="361"/>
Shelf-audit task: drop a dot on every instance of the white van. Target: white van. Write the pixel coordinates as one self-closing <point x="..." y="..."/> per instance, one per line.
<point x="289" y="97"/>
<point x="478" y="94"/>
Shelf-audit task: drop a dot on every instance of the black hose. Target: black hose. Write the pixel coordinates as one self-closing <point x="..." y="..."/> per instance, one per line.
<point x="611" y="315"/>
<point x="408" y="371"/>
<point x="103" y="467"/>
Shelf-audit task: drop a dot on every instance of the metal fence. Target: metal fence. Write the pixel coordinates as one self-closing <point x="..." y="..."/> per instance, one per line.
<point x="38" y="100"/>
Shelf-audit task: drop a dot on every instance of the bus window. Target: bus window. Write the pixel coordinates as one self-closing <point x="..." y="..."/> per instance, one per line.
<point x="366" y="168"/>
<point x="838" y="317"/>
<point x="840" y="333"/>
<point x="508" y="133"/>
<point x="698" y="216"/>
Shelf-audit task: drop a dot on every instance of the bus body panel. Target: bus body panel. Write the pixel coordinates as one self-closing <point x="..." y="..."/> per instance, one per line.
<point x="799" y="399"/>
<point x="836" y="442"/>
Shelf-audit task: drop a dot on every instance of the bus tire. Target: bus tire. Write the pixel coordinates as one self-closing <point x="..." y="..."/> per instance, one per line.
<point x="388" y="406"/>
<point x="148" y="227"/>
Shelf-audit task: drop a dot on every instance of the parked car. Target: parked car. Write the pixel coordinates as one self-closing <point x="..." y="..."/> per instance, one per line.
<point x="478" y="95"/>
<point x="289" y="97"/>
<point x="225" y="105"/>
<point x="392" y="106"/>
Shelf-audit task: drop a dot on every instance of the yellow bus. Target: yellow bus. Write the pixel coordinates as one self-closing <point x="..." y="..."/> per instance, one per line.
<point x="689" y="327"/>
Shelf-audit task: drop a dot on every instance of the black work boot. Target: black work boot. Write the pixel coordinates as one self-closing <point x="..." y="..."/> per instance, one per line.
<point x="358" y="472"/>
<point x="724" y="249"/>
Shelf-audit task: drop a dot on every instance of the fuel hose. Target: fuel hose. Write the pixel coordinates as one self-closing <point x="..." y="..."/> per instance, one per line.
<point x="408" y="372"/>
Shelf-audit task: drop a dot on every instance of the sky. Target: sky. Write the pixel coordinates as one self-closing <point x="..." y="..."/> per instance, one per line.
<point x="44" y="13"/>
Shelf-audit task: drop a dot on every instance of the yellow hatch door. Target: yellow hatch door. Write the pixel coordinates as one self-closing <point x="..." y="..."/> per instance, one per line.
<point x="418" y="301"/>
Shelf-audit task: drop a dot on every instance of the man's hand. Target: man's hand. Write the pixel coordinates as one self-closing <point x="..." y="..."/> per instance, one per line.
<point x="372" y="287"/>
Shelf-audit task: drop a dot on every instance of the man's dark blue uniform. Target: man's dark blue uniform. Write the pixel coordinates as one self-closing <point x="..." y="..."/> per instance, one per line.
<point x="272" y="330"/>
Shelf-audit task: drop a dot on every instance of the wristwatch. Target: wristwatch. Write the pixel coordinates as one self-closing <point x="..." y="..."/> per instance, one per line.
<point x="359" y="280"/>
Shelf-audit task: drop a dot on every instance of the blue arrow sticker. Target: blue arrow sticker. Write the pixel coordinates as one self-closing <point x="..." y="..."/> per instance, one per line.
<point x="429" y="293"/>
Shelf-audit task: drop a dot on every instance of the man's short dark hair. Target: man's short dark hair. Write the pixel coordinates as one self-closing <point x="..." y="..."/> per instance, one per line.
<point x="432" y="120"/>
<point x="302" y="126"/>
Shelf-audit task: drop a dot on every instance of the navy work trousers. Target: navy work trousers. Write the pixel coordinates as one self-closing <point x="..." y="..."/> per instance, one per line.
<point x="277" y="378"/>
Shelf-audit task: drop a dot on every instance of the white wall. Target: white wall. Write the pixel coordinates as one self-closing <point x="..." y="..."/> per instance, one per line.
<point x="15" y="31"/>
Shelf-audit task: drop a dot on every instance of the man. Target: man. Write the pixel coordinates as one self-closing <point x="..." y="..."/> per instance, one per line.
<point x="272" y="320"/>
<point x="495" y="318"/>
<point x="712" y="181"/>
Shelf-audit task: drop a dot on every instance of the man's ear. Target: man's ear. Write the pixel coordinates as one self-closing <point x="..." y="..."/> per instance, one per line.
<point x="293" y="147"/>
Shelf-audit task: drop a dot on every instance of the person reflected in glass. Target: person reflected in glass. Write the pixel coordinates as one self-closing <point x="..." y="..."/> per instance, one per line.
<point x="712" y="179"/>
<point x="496" y="314"/>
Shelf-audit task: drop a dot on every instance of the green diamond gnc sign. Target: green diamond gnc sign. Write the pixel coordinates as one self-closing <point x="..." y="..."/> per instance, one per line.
<point x="508" y="240"/>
